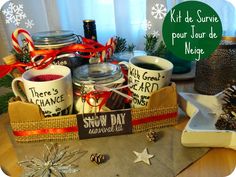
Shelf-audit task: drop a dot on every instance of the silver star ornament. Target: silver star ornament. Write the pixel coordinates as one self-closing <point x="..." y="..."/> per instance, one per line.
<point x="143" y="156"/>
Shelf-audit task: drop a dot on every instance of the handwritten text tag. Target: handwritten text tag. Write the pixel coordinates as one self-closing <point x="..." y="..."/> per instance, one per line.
<point x="104" y="124"/>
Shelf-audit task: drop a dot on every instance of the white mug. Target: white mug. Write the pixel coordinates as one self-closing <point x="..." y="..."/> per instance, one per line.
<point x="147" y="74"/>
<point x="50" y="88"/>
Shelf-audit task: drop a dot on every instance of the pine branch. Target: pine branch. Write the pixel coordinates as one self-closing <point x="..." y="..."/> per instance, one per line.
<point x="121" y="44"/>
<point x="153" y="47"/>
<point x="22" y="57"/>
<point x="150" y="44"/>
<point x="130" y="47"/>
<point x="4" y="101"/>
<point x="6" y="81"/>
<point x="161" y="50"/>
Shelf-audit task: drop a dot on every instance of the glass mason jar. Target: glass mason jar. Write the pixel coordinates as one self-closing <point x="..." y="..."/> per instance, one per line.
<point x="89" y="82"/>
<point x="57" y="40"/>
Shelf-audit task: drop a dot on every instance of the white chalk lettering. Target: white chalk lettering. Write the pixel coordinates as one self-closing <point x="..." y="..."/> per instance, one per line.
<point x="189" y="50"/>
<point x="117" y="119"/>
<point x="176" y="19"/>
<point x="95" y="121"/>
<point x="178" y="36"/>
<point x="201" y="19"/>
<point x="197" y="35"/>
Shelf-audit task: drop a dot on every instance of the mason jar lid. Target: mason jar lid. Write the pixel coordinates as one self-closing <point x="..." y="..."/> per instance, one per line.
<point x="227" y="42"/>
<point x="54" y="39"/>
<point x="101" y="73"/>
<point x="88" y="21"/>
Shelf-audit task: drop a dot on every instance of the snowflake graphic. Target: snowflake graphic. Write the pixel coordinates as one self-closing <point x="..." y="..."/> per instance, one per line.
<point x="146" y="25"/>
<point x="156" y="33"/>
<point x="14" y="13"/>
<point x="29" y="23"/>
<point x="158" y="11"/>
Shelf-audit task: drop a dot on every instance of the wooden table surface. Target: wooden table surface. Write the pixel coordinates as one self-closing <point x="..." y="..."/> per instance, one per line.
<point x="218" y="162"/>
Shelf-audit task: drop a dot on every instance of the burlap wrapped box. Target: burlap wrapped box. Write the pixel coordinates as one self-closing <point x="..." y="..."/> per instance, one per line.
<point x="28" y="123"/>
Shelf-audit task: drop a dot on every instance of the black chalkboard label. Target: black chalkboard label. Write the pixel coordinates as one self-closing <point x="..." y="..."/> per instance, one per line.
<point x="104" y="124"/>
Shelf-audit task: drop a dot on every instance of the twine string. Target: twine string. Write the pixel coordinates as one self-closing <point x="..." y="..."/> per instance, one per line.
<point x="100" y="92"/>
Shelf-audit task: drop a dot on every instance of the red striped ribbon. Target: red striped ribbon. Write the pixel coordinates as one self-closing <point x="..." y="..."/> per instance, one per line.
<point x="75" y="128"/>
<point x="154" y="118"/>
<point x="46" y="131"/>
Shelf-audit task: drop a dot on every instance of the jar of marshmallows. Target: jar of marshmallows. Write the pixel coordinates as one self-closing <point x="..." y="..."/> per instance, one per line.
<point x="96" y="87"/>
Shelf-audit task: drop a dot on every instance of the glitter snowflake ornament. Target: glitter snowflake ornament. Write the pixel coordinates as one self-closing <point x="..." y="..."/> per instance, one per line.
<point x="56" y="161"/>
<point x="14" y="14"/>
<point x="159" y="11"/>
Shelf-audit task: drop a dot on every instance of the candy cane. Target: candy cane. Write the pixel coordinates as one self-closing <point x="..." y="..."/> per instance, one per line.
<point x="112" y="45"/>
<point x="15" y="41"/>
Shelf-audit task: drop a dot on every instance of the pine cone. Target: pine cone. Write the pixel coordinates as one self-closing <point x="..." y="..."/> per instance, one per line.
<point x="230" y="99"/>
<point x="232" y="124"/>
<point x="222" y="122"/>
<point x="152" y="136"/>
<point x="97" y="158"/>
<point x="226" y="122"/>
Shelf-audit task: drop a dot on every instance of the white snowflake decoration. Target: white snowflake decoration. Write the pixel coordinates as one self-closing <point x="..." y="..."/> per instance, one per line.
<point x="147" y="25"/>
<point x="29" y="23"/>
<point x="156" y="33"/>
<point x="14" y="13"/>
<point x="159" y="11"/>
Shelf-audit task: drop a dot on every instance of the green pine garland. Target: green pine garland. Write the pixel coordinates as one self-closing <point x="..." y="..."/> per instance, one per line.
<point x="122" y="46"/>
<point x="4" y="102"/>
<point x="25" y="55"/>
<point x="130" y="47"/>
<point x="150" y="44"/>
<point x="5" y="82"/>
<point x="153" y="47"/>
<point x="22" y="57"/>
<point x="161" y="50"/>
